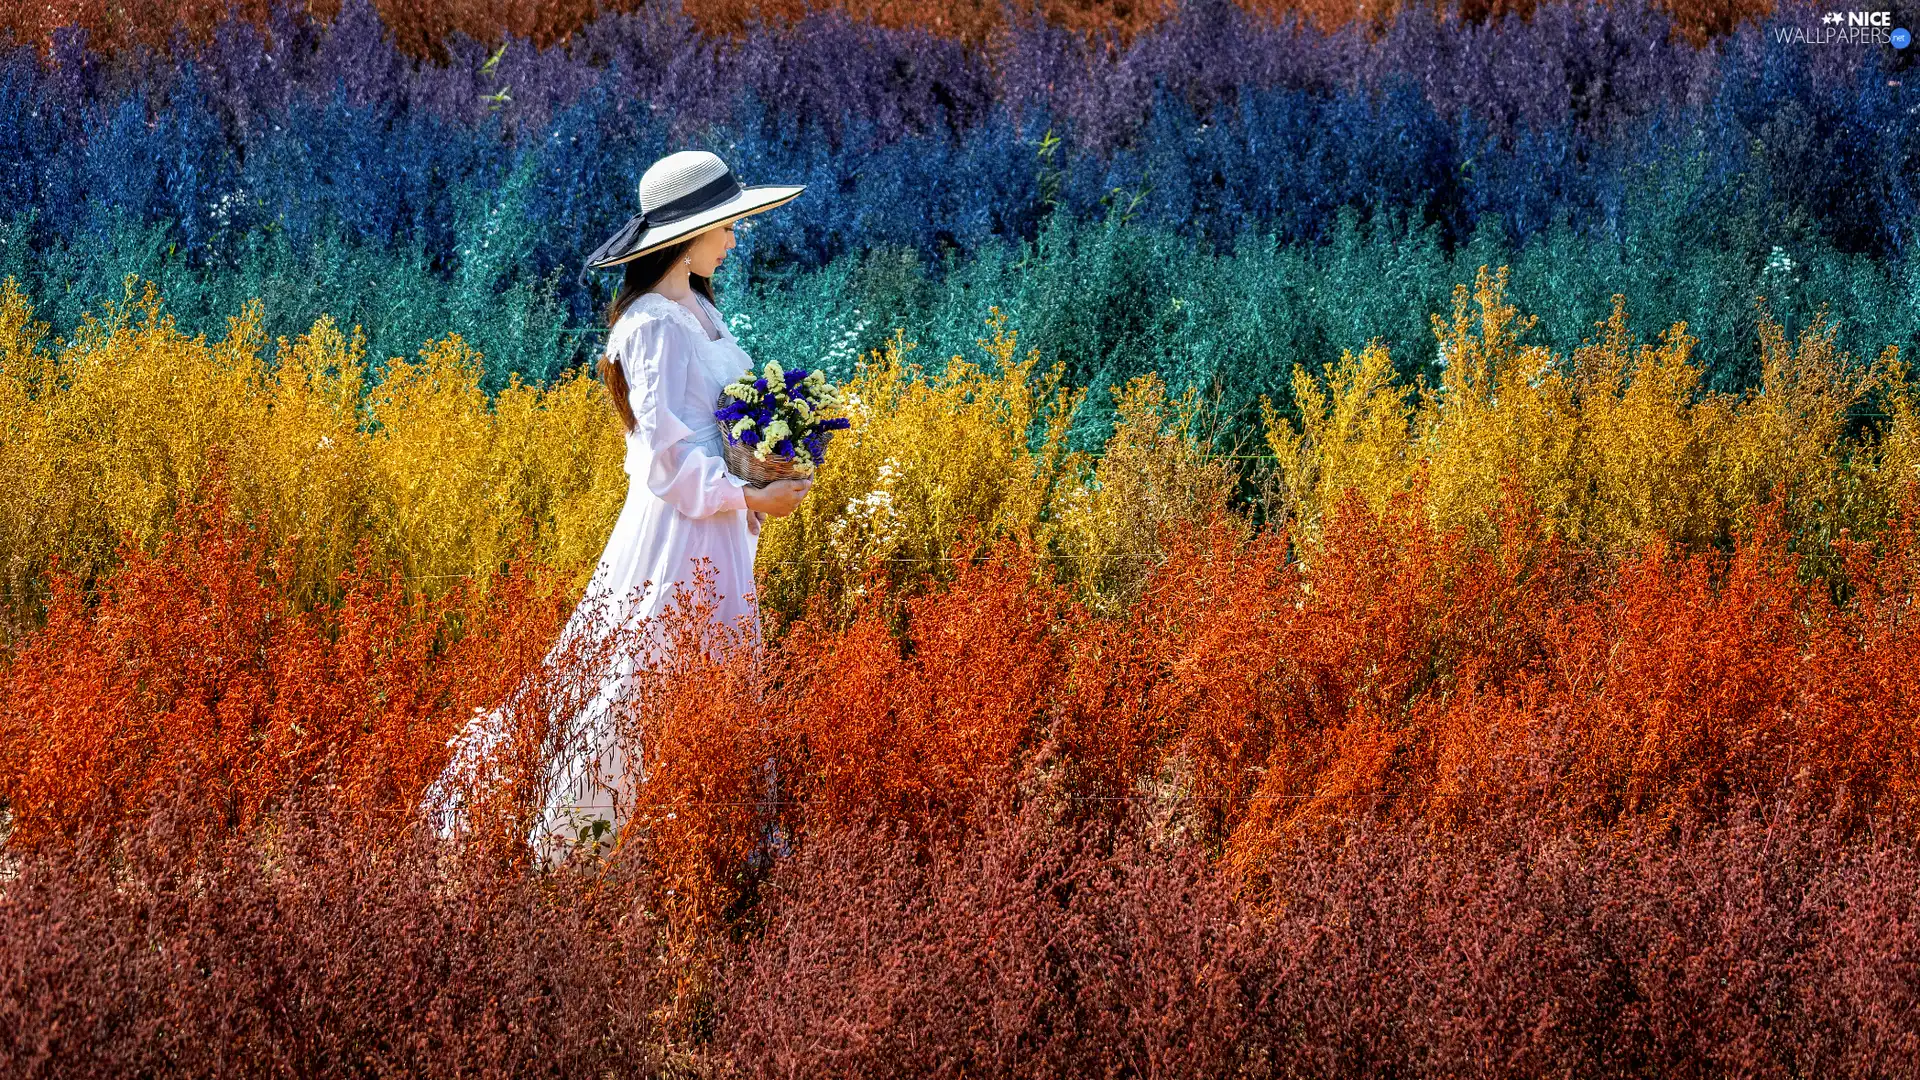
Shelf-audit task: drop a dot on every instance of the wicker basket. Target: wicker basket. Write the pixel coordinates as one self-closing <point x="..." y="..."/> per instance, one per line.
<point x="758" y="473"/>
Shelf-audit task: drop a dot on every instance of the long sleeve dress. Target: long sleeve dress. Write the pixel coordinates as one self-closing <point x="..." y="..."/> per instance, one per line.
<point x="682" y="506"/>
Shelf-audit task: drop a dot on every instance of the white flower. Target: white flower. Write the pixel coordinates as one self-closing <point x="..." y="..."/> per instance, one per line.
<point x="221" y="209"/>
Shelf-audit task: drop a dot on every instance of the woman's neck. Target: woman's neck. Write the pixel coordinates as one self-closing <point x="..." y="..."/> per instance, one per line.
<point x="676" y="287"/>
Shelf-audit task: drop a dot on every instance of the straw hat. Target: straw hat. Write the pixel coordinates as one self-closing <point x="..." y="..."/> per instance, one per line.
<point x="682" y="194"/>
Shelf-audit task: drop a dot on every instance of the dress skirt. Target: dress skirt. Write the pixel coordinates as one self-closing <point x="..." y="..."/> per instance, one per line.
<point x="683" y="510"/>
<point x="651" y="543"/>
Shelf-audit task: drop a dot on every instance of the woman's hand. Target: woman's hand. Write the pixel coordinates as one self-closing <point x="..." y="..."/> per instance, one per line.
<point x="779" y="498"/>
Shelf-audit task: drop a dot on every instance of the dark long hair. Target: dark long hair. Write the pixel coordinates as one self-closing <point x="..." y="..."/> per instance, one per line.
<point x="642" y="274"/>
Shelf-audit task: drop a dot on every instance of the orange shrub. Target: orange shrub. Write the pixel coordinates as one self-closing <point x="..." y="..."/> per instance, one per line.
<point x="705" y="731"/>
<point x="195" y="672"/>
<point x="883" y="729"/>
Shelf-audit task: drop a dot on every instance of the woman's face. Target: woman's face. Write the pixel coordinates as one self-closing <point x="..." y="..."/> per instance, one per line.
<point x="709" y="249"/>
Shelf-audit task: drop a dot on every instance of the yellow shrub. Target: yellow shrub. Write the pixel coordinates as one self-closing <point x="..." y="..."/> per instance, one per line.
<point x="1154" y="471"/>
<point x="1353" y="434"/>
<point x="1615" y="446"/>
<point x="928" y="460"/>
<point x="1646" y="441"/>
<point x="104" y="431"/>
<point x="29" y="524"/>
<point x="459" y="487"/>
<point x="1501" y="406"/>
<point x="106" y="434"/>
<point x="1897" y="463"/>
<point x="303" y="466"/>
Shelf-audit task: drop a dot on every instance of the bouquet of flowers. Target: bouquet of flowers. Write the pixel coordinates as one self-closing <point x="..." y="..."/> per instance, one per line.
<point x="777" y="423"/>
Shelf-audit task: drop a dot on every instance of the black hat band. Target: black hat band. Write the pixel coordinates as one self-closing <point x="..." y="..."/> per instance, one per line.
<point x="703" y="198"/>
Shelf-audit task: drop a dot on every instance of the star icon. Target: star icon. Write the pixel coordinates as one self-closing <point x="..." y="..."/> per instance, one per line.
<point x="1830" y="17"/>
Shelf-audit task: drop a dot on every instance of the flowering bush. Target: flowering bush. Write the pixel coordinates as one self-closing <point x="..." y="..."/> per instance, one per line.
<point x="109" y="431"/>
<point x="936" y="454"/>
<point x="1310" y="735"/>
<point x="783" y="414"/>
<point x="1618" y="443"/>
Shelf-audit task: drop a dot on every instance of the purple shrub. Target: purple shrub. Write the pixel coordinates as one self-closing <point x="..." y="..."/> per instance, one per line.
<point x="311" y="135"/>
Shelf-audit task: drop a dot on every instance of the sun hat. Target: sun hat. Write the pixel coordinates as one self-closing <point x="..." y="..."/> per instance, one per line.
<point x="682" y="194"/>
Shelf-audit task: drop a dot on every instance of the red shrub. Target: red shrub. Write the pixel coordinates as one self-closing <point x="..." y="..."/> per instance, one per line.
<point x="309" y="952"/>
<point x="1033" y="951"/>
<point x="1766" y="946"/>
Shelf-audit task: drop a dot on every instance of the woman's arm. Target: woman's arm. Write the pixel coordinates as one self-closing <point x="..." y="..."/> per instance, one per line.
<point x="658" y="360"/>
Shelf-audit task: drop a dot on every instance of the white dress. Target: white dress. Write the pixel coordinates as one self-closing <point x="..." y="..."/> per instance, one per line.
<point x="682" y="506"/>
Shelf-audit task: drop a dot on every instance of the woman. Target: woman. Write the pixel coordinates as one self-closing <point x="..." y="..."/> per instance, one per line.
<point x="668" y="354"/>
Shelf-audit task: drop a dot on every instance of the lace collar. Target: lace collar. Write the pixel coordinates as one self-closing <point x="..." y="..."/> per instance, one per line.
<point x="673" y="309"/>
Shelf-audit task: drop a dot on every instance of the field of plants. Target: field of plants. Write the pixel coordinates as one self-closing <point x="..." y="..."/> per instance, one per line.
<point x="1374" y="541"/>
